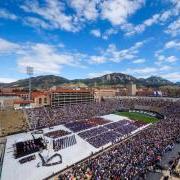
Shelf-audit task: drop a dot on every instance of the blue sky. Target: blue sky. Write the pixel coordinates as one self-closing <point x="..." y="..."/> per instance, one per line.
<point x="89" y="38"/>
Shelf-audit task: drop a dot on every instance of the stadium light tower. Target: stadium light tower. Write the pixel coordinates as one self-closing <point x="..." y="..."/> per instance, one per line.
<point x="30" y="71"/>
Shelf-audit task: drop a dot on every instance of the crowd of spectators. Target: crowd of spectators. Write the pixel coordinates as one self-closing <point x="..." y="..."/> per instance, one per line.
<point x="130" y="159"/>
<point x="134" y="157"/>
<point x="48" y="116"/>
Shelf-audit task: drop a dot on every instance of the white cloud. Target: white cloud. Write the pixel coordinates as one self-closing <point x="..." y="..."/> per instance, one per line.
<point x="160" y="54"/>
<point x="164" y="59"/>
<point x="85" y="8"/>
<point x="117" y="11"/>
<point x="112" y="54"/>
<point x="173" y="76"/>
<point x="7" y="80"/>
<point x="139" y="61"/>
<point x="165" y="68"/>
<point x="174" y="28"/>
<point x="98" y="59"/>
<point x="147" y="71"/>
<point x="161" y="58"/>
<point x="109" y="32"/>
<point x="171" y="59"/>
<point x="166" y="15"/>
<point x="154" y="19"/>
<point x="36" y="22"/>
<point x="7" y="15"/>
<point x="131" y="29"/>
<point x="53" y="13"/>
<point x="97" y="74"/>
<point x="46" y="59"/>
<point x="96" y="32"/>
<point x="7" y="46"/>
<point x="160" y="18"/>
<point x="172" y="44"/>
<point x="176" y="4"/>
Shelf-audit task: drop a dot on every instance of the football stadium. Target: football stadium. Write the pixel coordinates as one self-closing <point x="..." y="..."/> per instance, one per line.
<point x="89" y="89"/>
<point x="125" y="138"/>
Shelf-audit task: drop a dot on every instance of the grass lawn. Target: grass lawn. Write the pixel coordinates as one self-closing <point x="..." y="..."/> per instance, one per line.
<point x="138" y="116"/>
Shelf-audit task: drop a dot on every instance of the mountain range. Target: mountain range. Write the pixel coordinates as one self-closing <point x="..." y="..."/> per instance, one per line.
<point x="108" y="79"/>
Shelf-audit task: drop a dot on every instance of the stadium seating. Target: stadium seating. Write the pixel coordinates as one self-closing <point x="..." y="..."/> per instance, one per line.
<point x="136" y="156"/>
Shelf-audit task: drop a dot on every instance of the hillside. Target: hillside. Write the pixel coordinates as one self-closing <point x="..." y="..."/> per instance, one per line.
<point x="119" y="78"/>
<point x="155" y="81"/>
<point x="38" y="82"/>
<point x="108" y="79"/>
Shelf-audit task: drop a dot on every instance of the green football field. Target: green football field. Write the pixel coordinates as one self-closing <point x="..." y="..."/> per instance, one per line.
<point x="138" y="116"/>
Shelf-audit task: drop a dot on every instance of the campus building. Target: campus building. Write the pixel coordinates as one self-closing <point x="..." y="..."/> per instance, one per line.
<point x="61" y="97"/>
<point x="40" y="98"/>
<point x="100" y="93"/>
<point x="131" y="89"/>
